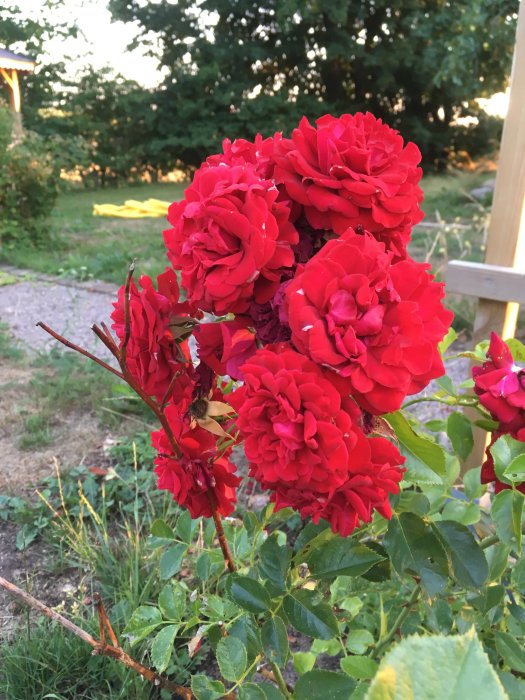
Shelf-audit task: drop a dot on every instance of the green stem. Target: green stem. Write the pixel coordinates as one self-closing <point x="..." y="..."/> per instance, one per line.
<point x="280" y="680"/>
<point x="489" y="541"/>
<point x="398" y="622"/>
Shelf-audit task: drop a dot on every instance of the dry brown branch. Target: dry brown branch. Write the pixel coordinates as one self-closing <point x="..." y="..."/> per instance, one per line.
<point x="99" y="645"/>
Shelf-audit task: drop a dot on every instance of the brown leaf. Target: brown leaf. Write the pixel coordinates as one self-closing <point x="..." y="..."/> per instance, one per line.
<point x="382" y="427"/>
<point x="218" y="408"/>
<point x="212" y="426"/>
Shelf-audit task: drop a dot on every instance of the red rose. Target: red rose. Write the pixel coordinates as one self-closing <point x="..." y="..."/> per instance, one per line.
<point x="295" y="432"/>
<point x="351" y="171"/>
<point x="500" y="385"/>
<point x="376" y="325"/>
<point x="231" y="238"/>
<point x="374" y="472"/>
<point x="197" y="474"/>
<point x="259" y="153"/>
<point x="307" y="444"/>
<point x="152" y="353"/>
<point x="225" y="346"/>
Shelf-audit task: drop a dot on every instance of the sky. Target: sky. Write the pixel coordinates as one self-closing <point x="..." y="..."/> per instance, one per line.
<point x="104" y="43"/>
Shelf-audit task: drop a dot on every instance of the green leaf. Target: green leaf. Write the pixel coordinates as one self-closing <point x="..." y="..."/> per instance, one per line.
<point x="489" y="598"/>
<point x="509" y="458"/>
<point x="459" y="431"/>
<point x="447" y="341"/>
<point x="511" y="652"/>
<point x="517" y="349"/>
<point x="472" y="482"/>
<point x="171" y="561"/>
<point x="358" y="641"/>
<point x="468" y="563"/>
<point x="163" y="646"/>
<point x="274" y="640"/>
<point x="248" y="593"/>
<point x="436" y="667"/>
<point x="462" y="512"/>
<point x="341" y="557"/>
<point x="304" y="661"/>
<point x="414" y="548"/>
<point x="418" y="473"/>
<point x="209" y="564"/>
<point x="144" y="620"/>
<point x="321" y="685"/>
<point x="232" y="658"/>
<point x="518" y="575"/>
<point x="447" y="385"/>
<point x="507" y="513"/>
<point x="160" y="528"/>
<point x="315" y="620"/>
<point x="514" y="687"/>
<point x="172" y="602"/>
<point x="185" y="527"/>
<point x="205" y="689"/>
<point x="270" y="691"/>
<point x="251" y="691"/>
<point x="360" y="667"/>
<point x="423" y="449"/>
<point x="247" y="630"/>
<point x="275" y="561"/>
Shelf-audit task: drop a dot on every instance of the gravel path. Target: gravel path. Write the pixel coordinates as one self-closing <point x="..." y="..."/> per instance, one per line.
<point x="72" y="307"/>
<point x="68" y="307"/>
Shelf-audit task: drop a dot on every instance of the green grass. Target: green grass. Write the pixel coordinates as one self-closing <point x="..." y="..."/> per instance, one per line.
<point x="85" y="246"/>
<point x="48" y="662"/>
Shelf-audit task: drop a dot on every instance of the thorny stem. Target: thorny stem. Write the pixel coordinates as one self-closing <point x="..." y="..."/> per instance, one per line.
<point x="99" y="645"/>
<point x="280" y="680"/>
<point x="398" y="622"/>
<point x="220" y="531"/>
<point x="72" y="346"/>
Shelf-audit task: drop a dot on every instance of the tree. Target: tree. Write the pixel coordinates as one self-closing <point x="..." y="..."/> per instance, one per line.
<point x="235" y="67"/>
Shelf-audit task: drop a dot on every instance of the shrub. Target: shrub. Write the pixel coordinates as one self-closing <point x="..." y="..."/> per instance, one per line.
<point x="28" y="186"/>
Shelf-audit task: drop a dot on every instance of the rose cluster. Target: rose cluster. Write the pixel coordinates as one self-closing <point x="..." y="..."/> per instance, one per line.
<point x="296" y="250"/>
<point x="500" y="385"/>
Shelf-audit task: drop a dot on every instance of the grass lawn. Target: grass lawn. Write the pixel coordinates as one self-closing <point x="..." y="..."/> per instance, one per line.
<point x="87" y="246"/>
<point x="101" y="247"/>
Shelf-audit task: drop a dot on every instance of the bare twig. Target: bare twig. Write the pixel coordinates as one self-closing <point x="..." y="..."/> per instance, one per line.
<point x="82" y="351"/>
<point x="104" y="621"/>
<point x="127" y="317"/>
<point x="99" y="645"/>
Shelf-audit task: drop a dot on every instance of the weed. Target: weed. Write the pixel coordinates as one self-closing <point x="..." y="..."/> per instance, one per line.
<point x="37" y="432"/>
<point x="9" y="347"/>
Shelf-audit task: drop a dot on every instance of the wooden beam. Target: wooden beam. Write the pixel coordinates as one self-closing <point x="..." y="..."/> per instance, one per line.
<point x="506" y="237"/>
<point x="491" y="282"/>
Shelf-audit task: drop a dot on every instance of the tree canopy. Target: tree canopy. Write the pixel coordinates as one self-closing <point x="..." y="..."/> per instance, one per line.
<point x="235" y="67"/>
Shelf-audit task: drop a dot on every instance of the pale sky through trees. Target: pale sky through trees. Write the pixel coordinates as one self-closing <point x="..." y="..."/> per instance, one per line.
<point x="104" y="42"/>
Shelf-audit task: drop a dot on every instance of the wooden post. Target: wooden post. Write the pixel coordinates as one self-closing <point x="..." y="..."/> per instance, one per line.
<point x="15" y="100"/>
<point x="506" y="237"/>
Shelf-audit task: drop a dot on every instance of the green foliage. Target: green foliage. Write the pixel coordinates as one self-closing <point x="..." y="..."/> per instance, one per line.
<point x="438" y="667"/>
<point x="28" y="187"/>
<point x="261" y="66"/>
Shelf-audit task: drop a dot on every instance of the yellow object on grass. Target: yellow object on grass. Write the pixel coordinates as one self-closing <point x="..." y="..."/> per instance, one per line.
<point x="133" y="209"/>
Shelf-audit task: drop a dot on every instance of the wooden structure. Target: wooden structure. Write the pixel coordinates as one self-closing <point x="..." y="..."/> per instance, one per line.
<point x="500" y="282"/>
<point x="11" y="64"/>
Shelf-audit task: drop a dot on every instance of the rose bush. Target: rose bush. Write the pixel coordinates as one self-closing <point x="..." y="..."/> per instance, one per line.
<point x="306" y="325"/>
